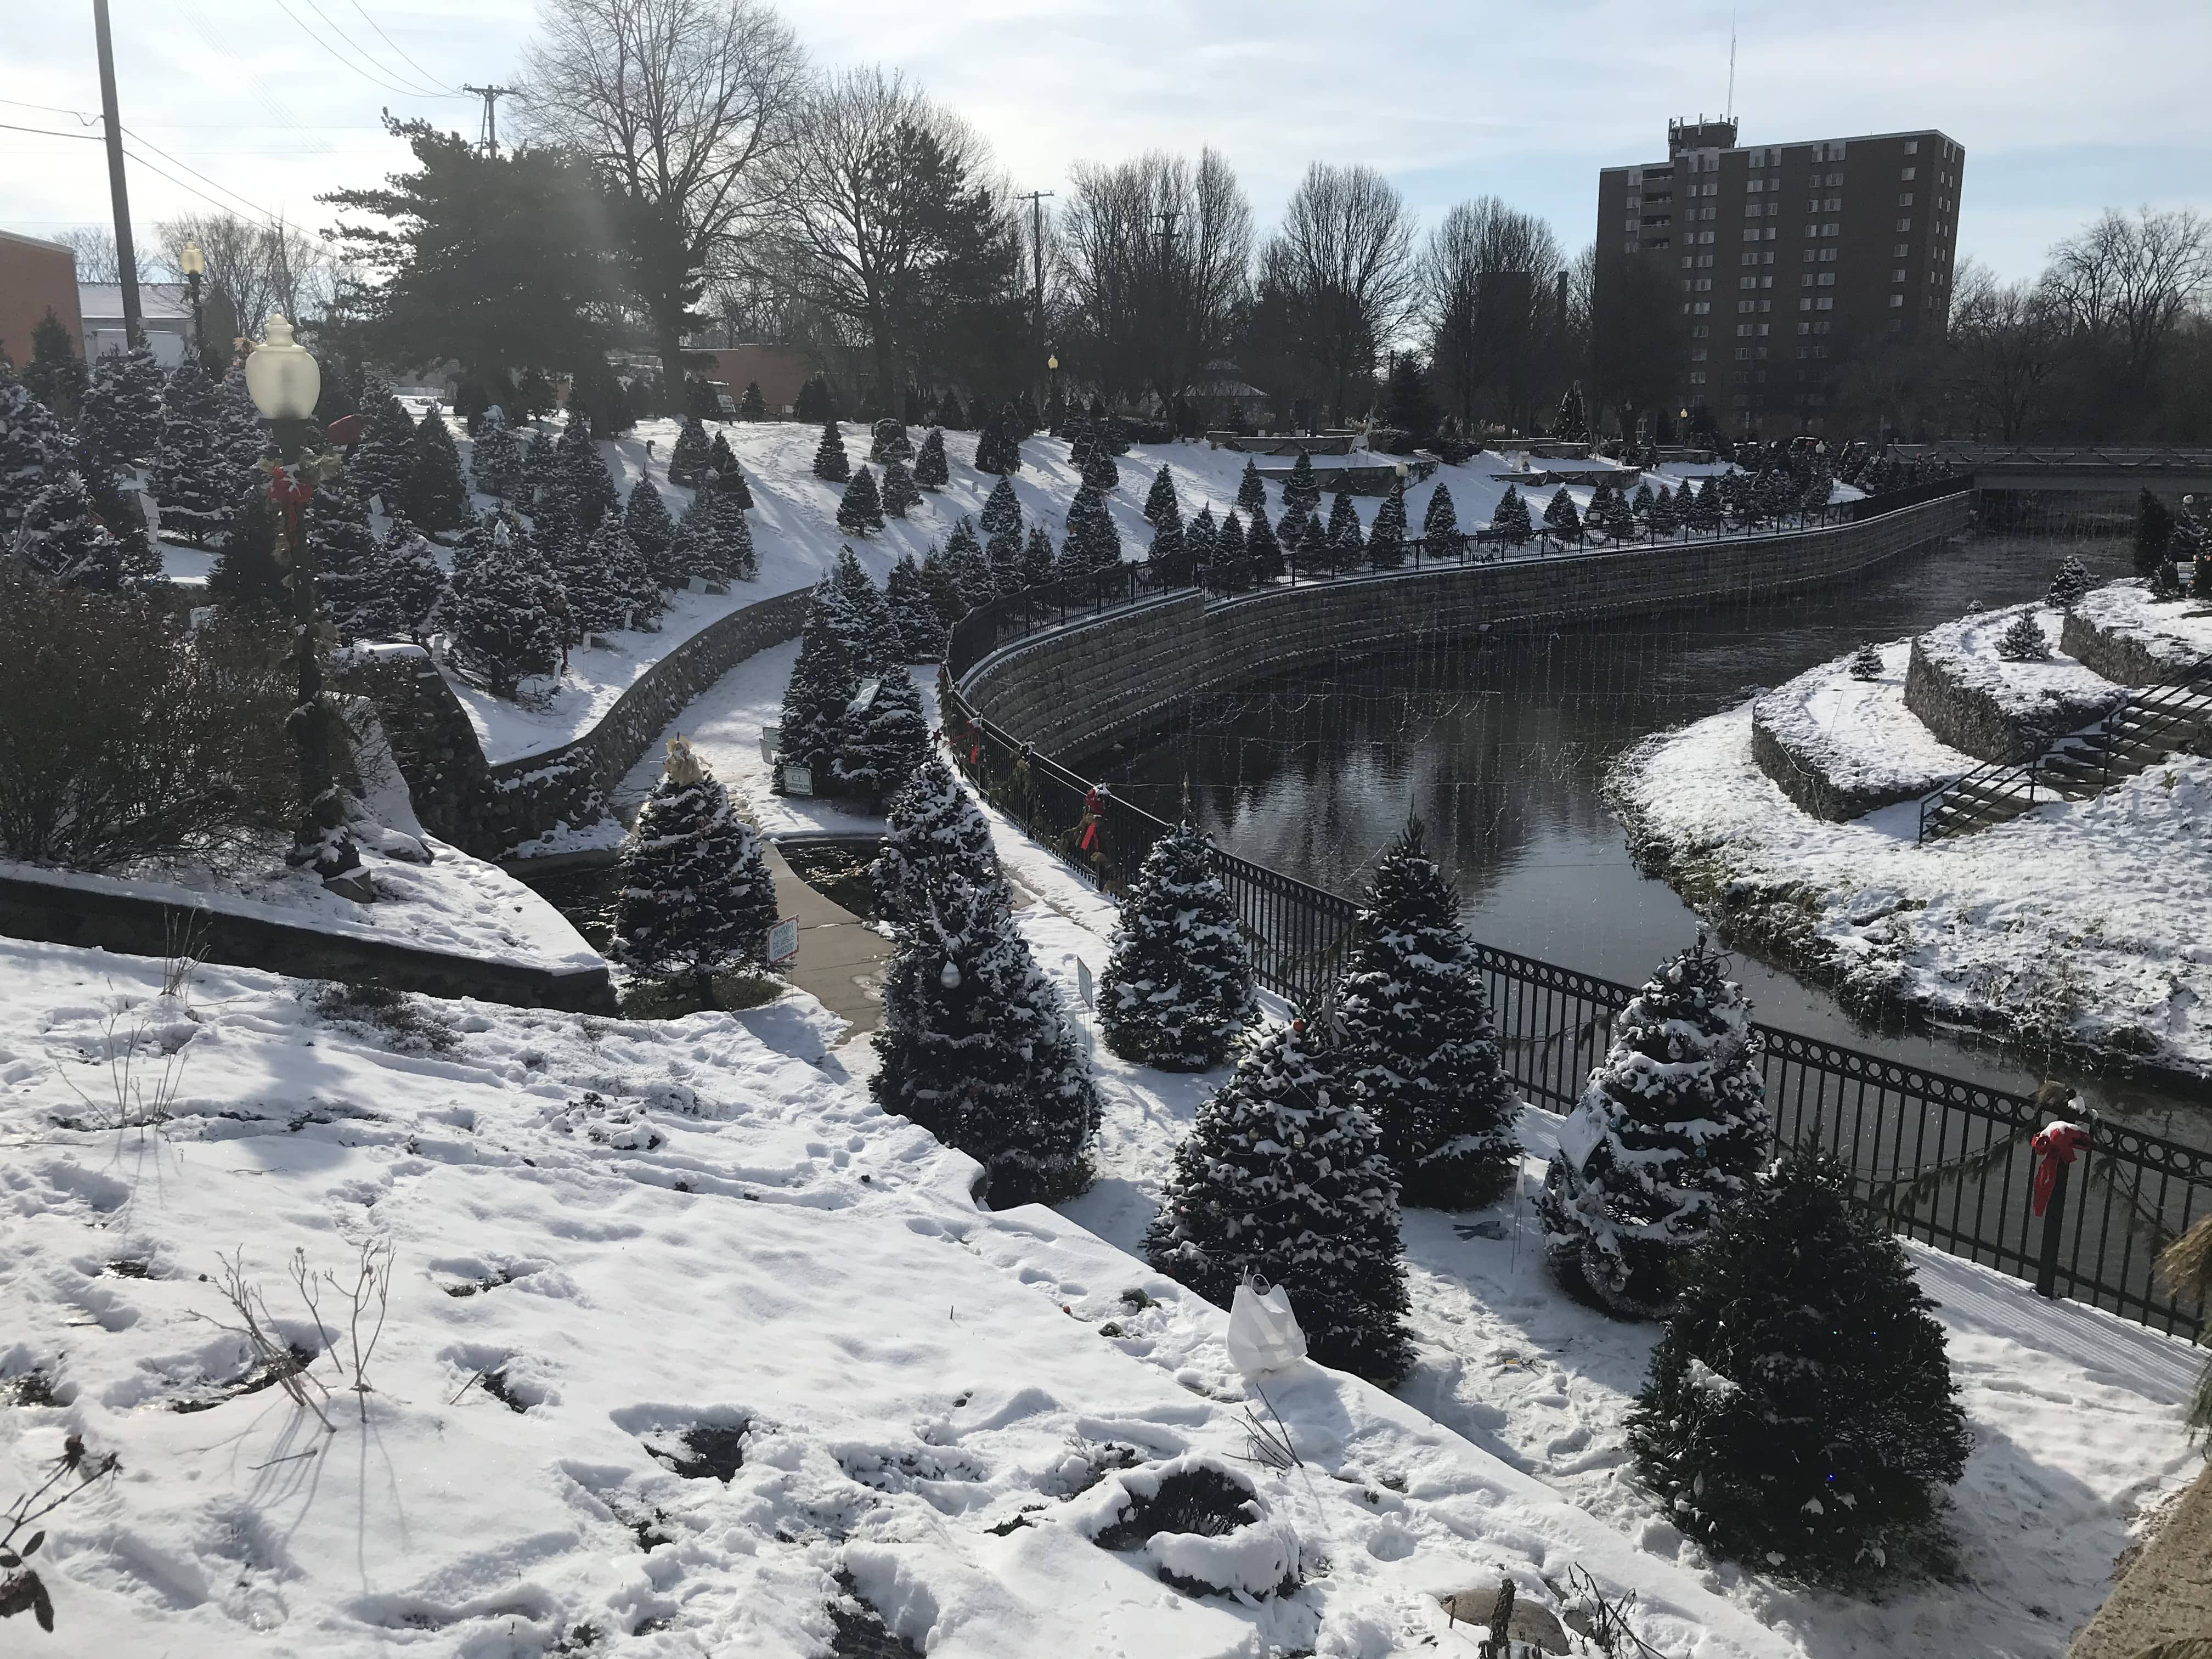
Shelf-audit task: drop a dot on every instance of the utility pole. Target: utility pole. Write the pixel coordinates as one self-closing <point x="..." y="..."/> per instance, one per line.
<point x="488" y="134"/>
<point x="126" y="255"/>
<point x="1036" y="199"/>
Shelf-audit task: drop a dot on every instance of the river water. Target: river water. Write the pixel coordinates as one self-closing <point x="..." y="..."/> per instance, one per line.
<point x="1501" y="749"/>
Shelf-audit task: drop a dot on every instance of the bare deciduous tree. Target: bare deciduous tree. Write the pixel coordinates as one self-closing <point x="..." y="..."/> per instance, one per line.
<point x="682" y="105"/>
<point x="2006" y="343"/>
<point x="1485" y="280"/>
<point x="259" y="268"/>
<point x="2127" y="284"/>
<point x="1345" y="256"/>
<point x="1157" y="254"/>
<point x="94" y="248"/>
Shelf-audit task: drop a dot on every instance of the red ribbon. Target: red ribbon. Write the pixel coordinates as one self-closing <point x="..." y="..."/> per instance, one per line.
<point x="2054" y="1146"/>
<point x="1094" y="803"/>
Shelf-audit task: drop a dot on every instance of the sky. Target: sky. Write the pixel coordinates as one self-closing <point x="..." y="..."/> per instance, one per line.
<point x="2064" y="109"/>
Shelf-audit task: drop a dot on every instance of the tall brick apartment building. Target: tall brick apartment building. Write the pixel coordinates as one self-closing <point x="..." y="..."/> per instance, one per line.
<point x="1791" y="260"/>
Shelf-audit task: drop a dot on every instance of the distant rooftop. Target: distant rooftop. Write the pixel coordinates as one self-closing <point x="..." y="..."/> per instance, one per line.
<point x="102" y="302"/>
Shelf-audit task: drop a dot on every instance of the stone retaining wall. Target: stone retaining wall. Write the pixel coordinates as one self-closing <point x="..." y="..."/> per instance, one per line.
<point x="1806" y="780"/>
<point x="2123" y="657"/>
<point x="1076" y="688"/>
<point x="61" y="913"/>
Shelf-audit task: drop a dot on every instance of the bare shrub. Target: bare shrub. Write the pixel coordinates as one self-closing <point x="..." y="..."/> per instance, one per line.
<point x="21" y="1591"/>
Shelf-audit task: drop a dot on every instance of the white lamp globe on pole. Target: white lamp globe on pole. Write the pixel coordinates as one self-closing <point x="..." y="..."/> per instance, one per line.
<point x="283" y="377"/>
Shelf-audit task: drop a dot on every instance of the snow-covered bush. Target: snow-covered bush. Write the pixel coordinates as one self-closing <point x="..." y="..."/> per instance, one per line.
<point x="935" y="833"/>
<point x="503" y="614"/>
<point x="885" y="740"/>
<point x="1420" y="1052"/>
<point x="1866" y="662"/>
<point x="1667" y="1133"/>
<point x="2024" y="640"/>
<point x="1202" y="1523"/>
<point x="1509" y="520"/>
<point x="1179" y="986"/>
<point x="1799" y="1413"/>
<point x="1282" y="1174"/>
<point x="693" y="895"/>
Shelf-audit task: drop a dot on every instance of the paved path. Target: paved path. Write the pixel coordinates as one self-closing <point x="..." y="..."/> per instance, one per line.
<point x="841" y="959"/>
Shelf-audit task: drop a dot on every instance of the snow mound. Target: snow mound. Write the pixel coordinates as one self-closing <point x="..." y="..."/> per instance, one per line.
<point x="2174" y="631"/>
<point x="1202" y="1523"/>
<point x="1851" y="745"/>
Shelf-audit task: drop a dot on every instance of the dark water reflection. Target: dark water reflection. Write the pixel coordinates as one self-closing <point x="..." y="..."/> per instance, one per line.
<point x="1501" y="748"/>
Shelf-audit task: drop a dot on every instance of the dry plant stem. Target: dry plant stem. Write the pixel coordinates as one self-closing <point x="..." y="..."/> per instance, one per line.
<point x="255" y="1326"/>
<point x="30" y="1507"/>
<point x="132" y="1110"/>
<point x="370" y="1292"/>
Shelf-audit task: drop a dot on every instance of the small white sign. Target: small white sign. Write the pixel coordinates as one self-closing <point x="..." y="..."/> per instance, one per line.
<point x="783" y="942"/>
<point x="865" y="698"/>
<point x="771" y="740"/>
<point x="1083" y="982"/>
<point x="798" y="780"/>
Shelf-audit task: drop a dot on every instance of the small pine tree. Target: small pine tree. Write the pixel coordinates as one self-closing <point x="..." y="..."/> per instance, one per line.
<point x="1161" y="498"/>
<point x="2024" y="640"/>
<point x="899" y="493"/>
<point x="503" y="614"/>
<point x="190" y="478"/>
<point x="863" y="617"/>
<point x="1092" y="534"/>
<point x="1640" y="504"/>
<point x="723" y="471"/>
<point x="823" y="681"/>
<point x="933" y="836"/>
<point x="412" y="578"/>
<point x="1866" y="662"/>
<point x="496" y="459"/>
<point x="884" y="741"/>
<point x="119" y="418"/>
<point x="1561" y="517"/>
<point x="246" y="578"/>
<point x="921" y="630"/>
<point x="1420" y="1053"/>
<point x="974" y="1047"/>
<point x="1666" y="1135"/>
<point x="1232" y="574"/>
<point x="950" y="415"/>
<point x="1509" y="521"/>
<point x="55" y="375"/>
<point x="2154" y="530"/>
<point x="814" y="404"/>
<point x="1036" y="563"/>
<point x="930" y="470"/>
<point x="34" y="451"/>
<point x="1705" y="510"/>
<point x="1666" y="512"/>
<point x="1252" y="489"/>
<point x="1440" y="524"/>
<point x="970" y="570"/>
<point x="384" y="457"/>
<point x="1003" y="553"/>
<point x="652" y="532"/>
<point x="349" y="564"/>
<point x="752" y="406"/>
<point x="1571" y="424"/>
<point x="830" y="462"/>
<point x="1263" y="553"/>
<point x="2073" y="584"/>
<point x="735" y="557"/>
<point x="584" y="475"/>
<point x="1302" y="493"/>
<point x="1202" y="537"/>
<point x="1386" y="542"/>
<point x="861" y="508"/>
<point x="1799" y="1413"/>
<point x="601" y="576"/>
<point x="1179" y="987"/>
<point x="694" y="896"/>
<point x="1002" y="511"/>
<point x="1100" y="471"/>
<point x="62" y="539"/>
<point x="1310" y="551"/>
<point x="1345" y="537"/>
<point x="1282" y="1174"/>
<point x="687" y="461"/>
<point x="434" y="497"/>
<point x="1170" y="554"/>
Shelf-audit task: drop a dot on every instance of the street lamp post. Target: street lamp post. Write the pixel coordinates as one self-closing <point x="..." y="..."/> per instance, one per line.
<point x="285" y="383"/>
<point x="193" y="264"/>
<point x="1054" y="421"/>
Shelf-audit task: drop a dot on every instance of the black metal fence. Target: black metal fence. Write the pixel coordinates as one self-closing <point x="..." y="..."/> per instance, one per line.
<point x="1015" y="616"/>
<point x="1946" y="1161"/>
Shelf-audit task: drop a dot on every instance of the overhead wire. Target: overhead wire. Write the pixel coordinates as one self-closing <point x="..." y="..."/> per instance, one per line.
<point x="374" y="80"/>
<point x="45" y="132"/>
<point x="401" y="51"/>
<point x="366" y="56"/>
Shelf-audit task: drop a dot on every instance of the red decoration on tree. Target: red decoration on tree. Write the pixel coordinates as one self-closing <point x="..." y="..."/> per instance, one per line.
<point x="2054" y="1145"/>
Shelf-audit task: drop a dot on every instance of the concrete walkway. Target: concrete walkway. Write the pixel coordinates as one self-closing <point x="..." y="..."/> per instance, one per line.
<point x="841" y="959"/>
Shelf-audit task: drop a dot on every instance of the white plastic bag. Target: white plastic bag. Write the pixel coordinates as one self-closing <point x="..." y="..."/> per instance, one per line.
<point x="1263" y="1332"/>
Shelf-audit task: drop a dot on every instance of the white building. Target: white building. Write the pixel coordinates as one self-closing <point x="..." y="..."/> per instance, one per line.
<point x="164" y="309"/>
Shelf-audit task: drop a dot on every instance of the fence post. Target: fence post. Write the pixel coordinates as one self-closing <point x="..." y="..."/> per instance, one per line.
<point x="2046" y="1267"/>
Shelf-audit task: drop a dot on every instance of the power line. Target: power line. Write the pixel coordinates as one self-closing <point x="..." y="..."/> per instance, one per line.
<point x="397" y="47"/>
<point x="53" y="109"/>
<point x="366" y="56"/>
<point x="10" y="126"/>
<point x="388" y="86"/>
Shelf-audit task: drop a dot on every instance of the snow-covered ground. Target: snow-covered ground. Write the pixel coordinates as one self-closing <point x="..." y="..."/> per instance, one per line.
<point x="2177" y="631"/>
<point x="2057" y="692"/>
<point x="1859" y="732"/>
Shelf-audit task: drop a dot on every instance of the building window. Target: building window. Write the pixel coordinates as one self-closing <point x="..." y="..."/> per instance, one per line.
<point x="1631" y="225"/>
<point x="1804" y="328"/>
<point x="1697" y="354"/>
<point x="1897" y="326"/>
<point x="1827" y="302"/>
<point x="1703" y="306"/>
<point x="1905" y="224"/>
<point x="1828" y="256"/>
<point x="1629" y="247"/>
<point x="1900" y="250"/>
<point x="1743" y="354"/>
<point x="1705" y="284"/>
<point x="1904" y="198"/>
<point x="1912" y="147"/>
<point x="1704" y="262"/>
<point x="1805" y="304"/>
<point x="1831" y="228"/>
<point x="1764" y="329"/>
<point x="1896" y="299"/>
<point x="1686" y="285"/>
<point x="1747" y="281"/>
<point x="1743" y="331"/>
<point x="1907" y="174"/>
<point x="1897" y="276"/>
<point x="1827" y="279"/>
<point x="1806" y="281"/>
<point x="1699" y="331"/>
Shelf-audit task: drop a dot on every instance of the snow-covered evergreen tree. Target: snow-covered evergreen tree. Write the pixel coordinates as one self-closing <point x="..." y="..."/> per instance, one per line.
<point x="1002" y="511"/>
<point x="1706" y="511"/>
<point x="1003" y="553"/>
<point x="119" y="419"/>
<point x="1263" y="553"/>
<point x="1866" y="662"/>
<point x="1179" y="987"/>
<point x="863" y="617"/>
<point x="604" y="580"/>
<point x="1440" y="524"/>
<point x="950" y="415"/>
<point x="583" y="475"/>
<point x="2024" y="640"/>
<point x="1161" y="497"/>
<point x="933" y="835"/>
<point x="752" y="406"/>
<point x="1282" y="1174"/>
<point x="1420" y="1052"/>
<point x="1347" y="539"/>
<point x="2073" y="584"/>
<point x="1666" y="1136"/>
<point x="974" y="1047"/>
<point x="899" y="491"/>
<point x="1251" y="489"/>
<point x="1800" y="1414"/>
<point x="693" y="895"/>
<point x="1666" y="518"/>
<point x="62" y="539"/>
<point x="1099" y="471"/>
<point x="970" y="570"/>
<point x="1509" y="520"/>
<point x="922" y="630"/>
<point x="383" y="458"/>
<point x="713" y="544"/>
<point x="496" y="459"/>
<point x="34" y="451"/>
<point x="412" y="576"/>
<point x="1571" y="424"/>
<point x="1560" y="516"/>
<point x="1302" y="491"/>
<point x="884" y="741"/>
<point x="1309" y="553"/>
<point x="435" y="499"/>
<point x="1169" y="555"/>
<point x="930" y="470"/>
<point x="830" y="462"/>
<point x="502" y="613"/>
<point x="1093" y="544"/>
<point x="1386" y="542"/>
<point x="191" y="476"/>
<point x="1201" y="537"/>
<point x="861" y="508"/>
<point x="999" y="446"/>
<point x="1640" y="504"/>
<point x="1232" y="570"/>
<point x="350" y="577"/>
<point x="888" y="441"/>
<point x="652" y="532"/>
<point x="1038" y="559"/>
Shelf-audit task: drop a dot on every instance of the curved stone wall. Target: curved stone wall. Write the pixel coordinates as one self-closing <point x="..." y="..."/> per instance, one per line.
<point x="1075" y="688"/>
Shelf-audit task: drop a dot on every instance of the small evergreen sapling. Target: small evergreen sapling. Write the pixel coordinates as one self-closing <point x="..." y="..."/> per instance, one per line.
<point x="1200" y="537"/>
<point x="1100" y="471"/>
<point x="192" y="477"/>
<point x="1232" y="571"/>
<point x="1799" y="1413"/>
<point x="1002" y="511"/>
<point x="2024" y="640"/>
<point x="1179" y="986"/>
<point x="1302" y="493"/>
<point x="1420" y="1052"/>
<point x="1666" y="512"/>
<point x="1667" y="1133"/>
<point x="861" y="508"/>
<point x="1036" y="563"/>
<point x="1282" y="1174"/>
<point x="1561" y="517"/>
<point x="434" y="497"/>
<point x="752" y="406"/>
<point x="1263" y="553"/>
<point x="1705" y="512"/>
<point x="934" y="834"/>
<point x="1345" y="537"/>
<point x="830" y="461"/>
<point x="349" y="562"/>
<point x="976" y="1047"/>
<point x="885" y="740"/>
<point x="738" y="560"/>
<point x="693" y="895"/>
<point x="1310" y="553"/>
<point x="1251" y="489"/>
<point x="930" y="470"/>
<point x="1866" y="662"/>
<point x="1509" y="520"/>
<point x="1170" y="556"/>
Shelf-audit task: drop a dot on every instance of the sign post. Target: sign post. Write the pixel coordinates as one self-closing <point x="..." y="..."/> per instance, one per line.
<point x="783" y="943"/>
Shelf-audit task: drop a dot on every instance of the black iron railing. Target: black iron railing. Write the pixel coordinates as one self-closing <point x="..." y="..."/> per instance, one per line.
<point x="1947" y="1162"/>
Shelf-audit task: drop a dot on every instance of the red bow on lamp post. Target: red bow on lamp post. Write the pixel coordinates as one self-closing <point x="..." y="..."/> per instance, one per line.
<point x="2054" y="1146"/>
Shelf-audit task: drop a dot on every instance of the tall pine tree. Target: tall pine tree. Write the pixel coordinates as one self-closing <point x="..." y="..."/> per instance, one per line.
<point x="192" y="477"/>
<point x="1179" y="986"/>
<point x="693" y="895"/>
<point x="831" y="464"/>
<point x="930" y="470"/>
<point x="884" y="741"/>
<point x="1282" y="1174"/>
<point x="435" y="499"/>
<point x="934" y="834"/>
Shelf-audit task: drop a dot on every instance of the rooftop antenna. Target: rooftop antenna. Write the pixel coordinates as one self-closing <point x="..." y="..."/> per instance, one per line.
<point x="1731" y="115"/>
